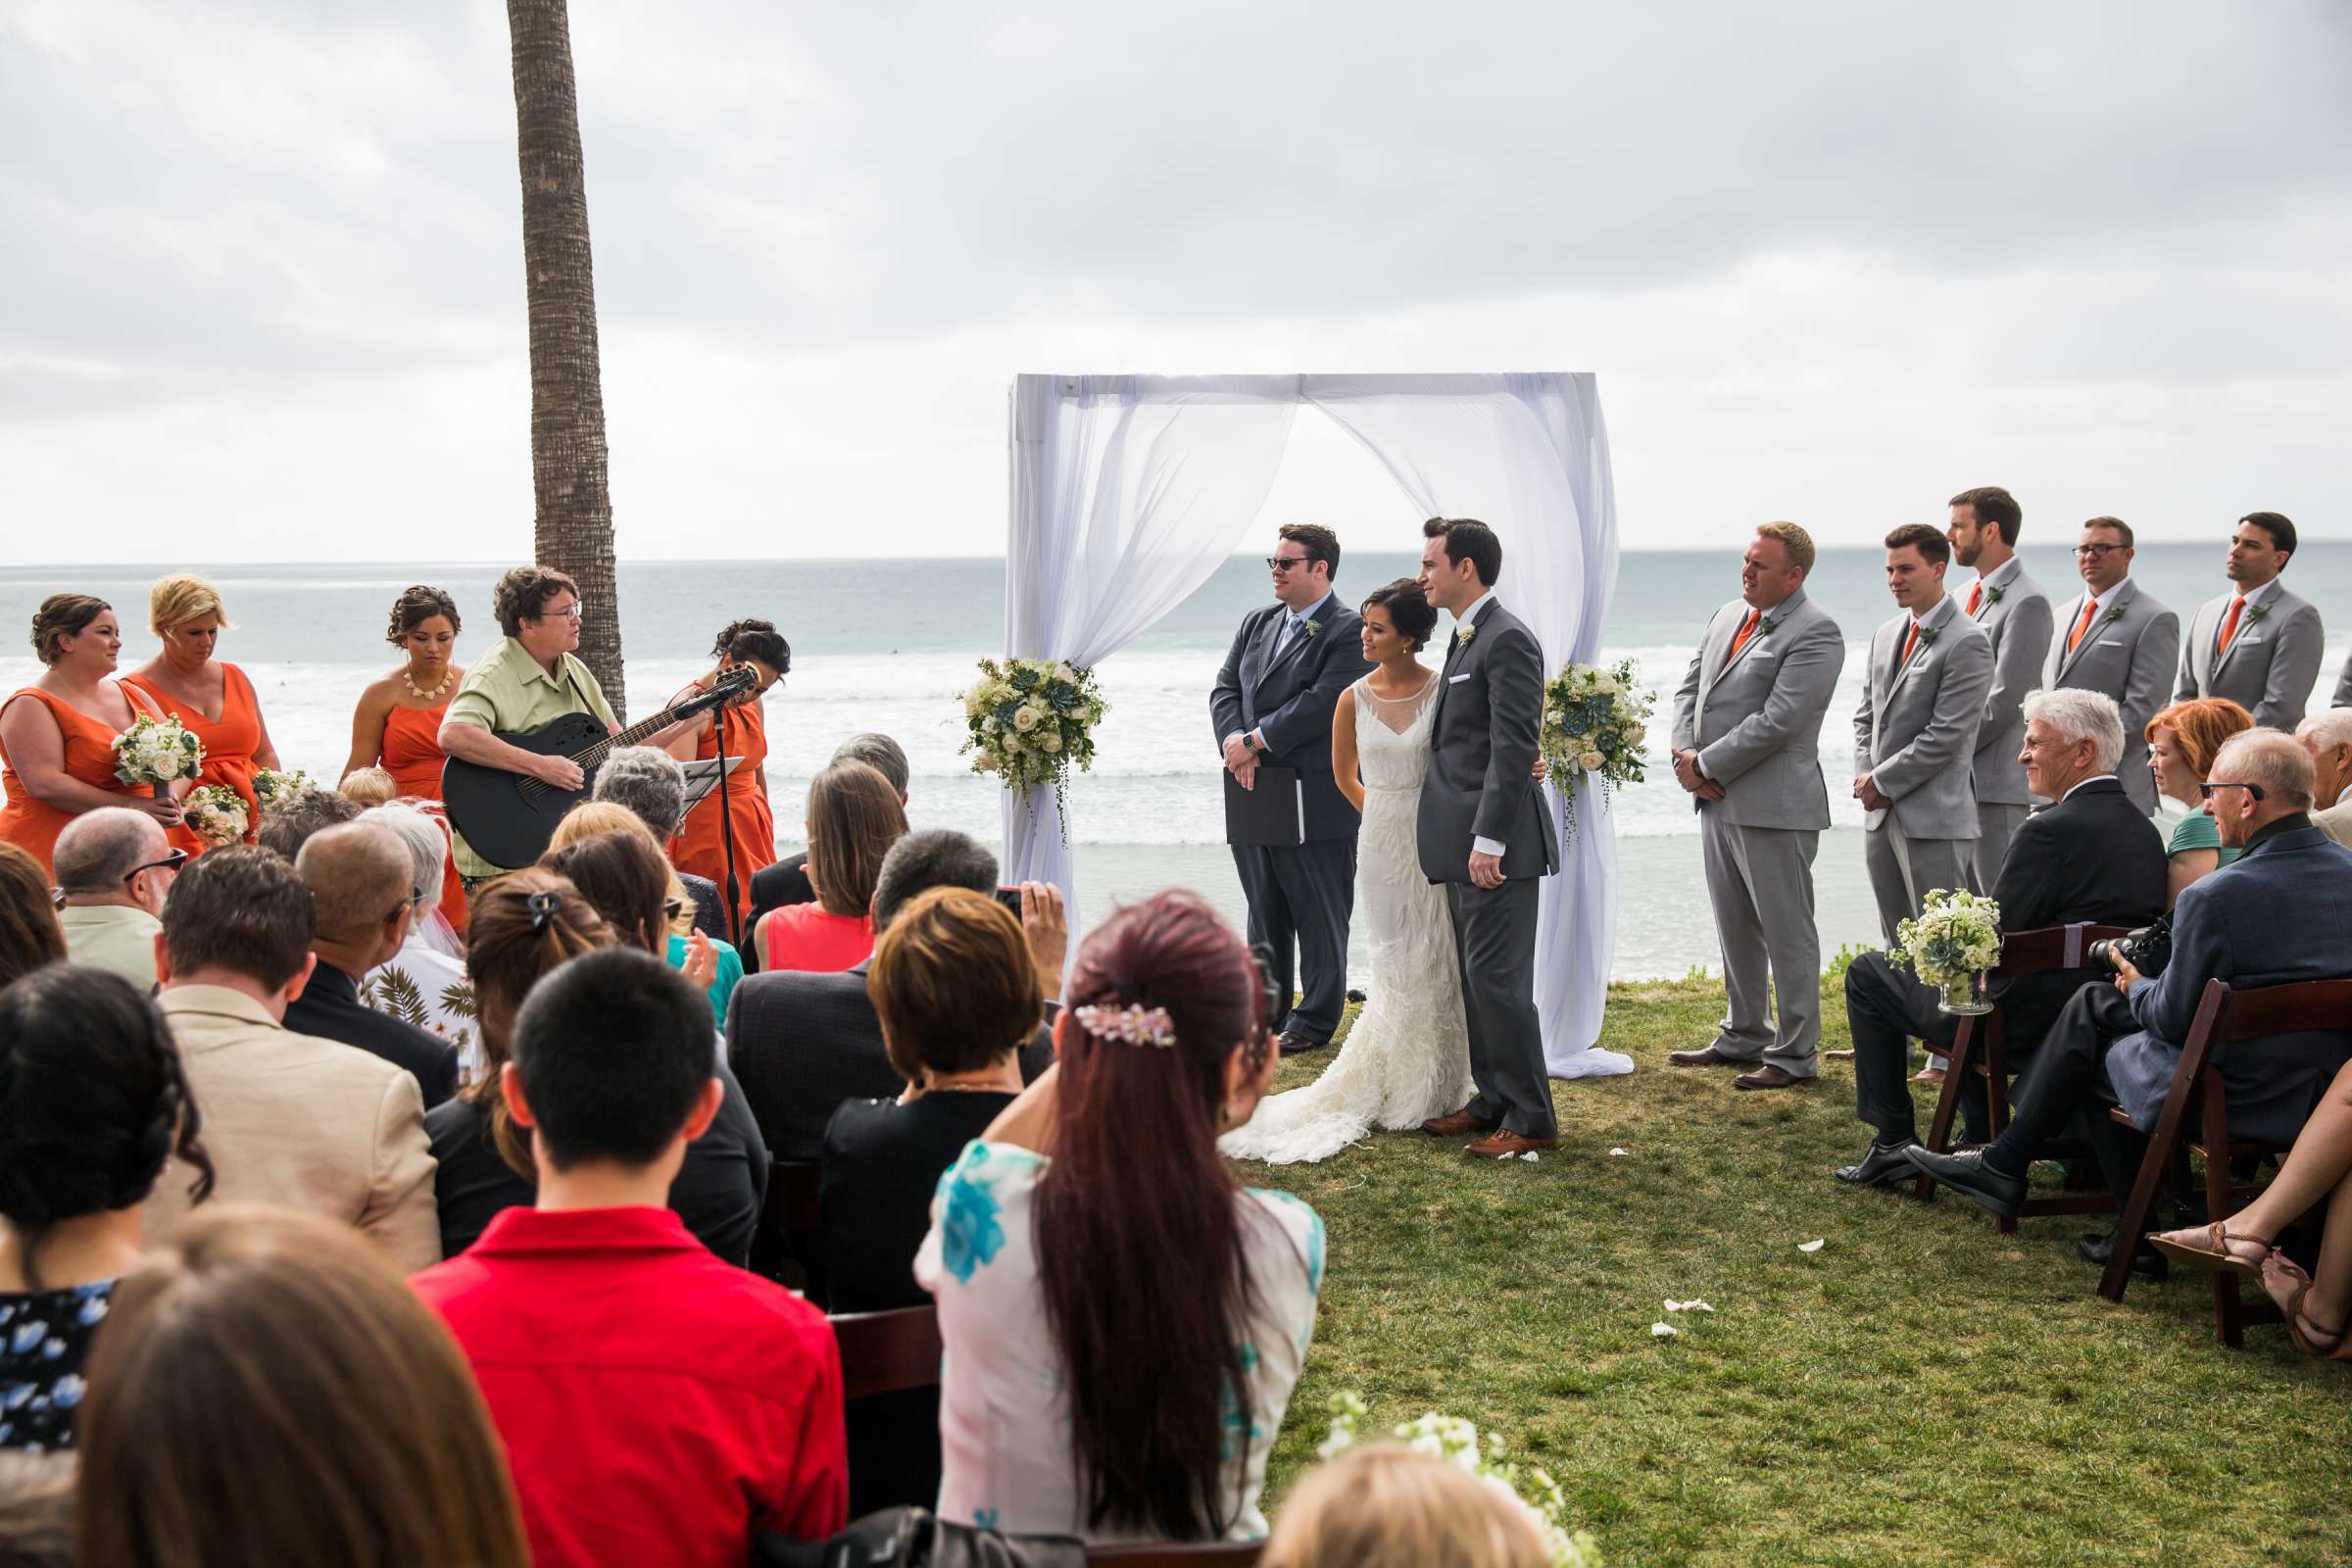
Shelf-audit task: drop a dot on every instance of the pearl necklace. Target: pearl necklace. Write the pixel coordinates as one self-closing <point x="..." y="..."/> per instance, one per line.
<point x="424" y="696"/>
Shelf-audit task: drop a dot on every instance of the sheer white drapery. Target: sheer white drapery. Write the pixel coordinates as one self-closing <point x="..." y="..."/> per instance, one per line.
<point x="1129" y="491"/>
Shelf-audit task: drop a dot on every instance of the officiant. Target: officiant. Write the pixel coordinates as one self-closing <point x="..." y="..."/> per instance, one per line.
<point x="1284" y="675"/>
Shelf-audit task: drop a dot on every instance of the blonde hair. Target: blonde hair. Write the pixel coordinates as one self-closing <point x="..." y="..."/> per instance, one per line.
<point x="370" y="786"/>
<point x="1793" y="539"/>
<point x="592" y="819"/>
<point x="179" y="599"/>
<point x="1388" y="1507"/>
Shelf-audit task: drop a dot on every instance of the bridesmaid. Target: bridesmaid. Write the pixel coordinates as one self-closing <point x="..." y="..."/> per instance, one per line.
<point x="398" y="722"/>
<point x="57" y="736"/>
<point x="211" y="697"/>
<point x="742" y="725"/>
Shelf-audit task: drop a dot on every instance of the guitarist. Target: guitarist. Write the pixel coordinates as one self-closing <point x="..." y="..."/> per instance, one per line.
<point x="529" y="679"/>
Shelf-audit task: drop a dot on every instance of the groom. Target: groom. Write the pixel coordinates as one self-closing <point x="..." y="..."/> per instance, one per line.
<point x="1486" y="833"/>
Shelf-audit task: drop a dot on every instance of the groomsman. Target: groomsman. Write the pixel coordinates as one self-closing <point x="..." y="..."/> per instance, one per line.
<point x="2257" y="644"/>
<point x="2117" y="640"/>
<point x="1923" y="700"/>
<point x="1747" y="747"/>
<point x="1288" y="668"/>
<point x="2014" y="613"/>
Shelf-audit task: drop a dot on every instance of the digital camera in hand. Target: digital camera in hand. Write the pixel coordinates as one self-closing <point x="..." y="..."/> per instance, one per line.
<point x="2147" y="950"/>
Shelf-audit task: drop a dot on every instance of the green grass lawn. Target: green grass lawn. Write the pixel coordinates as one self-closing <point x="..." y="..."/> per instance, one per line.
<point x="1921" y="1388"/>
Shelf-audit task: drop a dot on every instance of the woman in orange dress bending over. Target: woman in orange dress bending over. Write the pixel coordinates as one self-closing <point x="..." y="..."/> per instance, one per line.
<point x="738" y="729"/>
<point x="57" y="736"/>
<point x="398" y="722"/>
<point x="212" y="698"/>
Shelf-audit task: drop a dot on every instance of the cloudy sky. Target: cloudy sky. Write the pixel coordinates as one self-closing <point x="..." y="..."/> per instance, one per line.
<point x="261" y="285"/>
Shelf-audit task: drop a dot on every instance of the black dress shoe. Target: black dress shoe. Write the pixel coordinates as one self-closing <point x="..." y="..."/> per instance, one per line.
<point x="1966" y="1172"/>
<point x="1883" y="1165"/>
<point x="1295" y="1045"/>
<point x="2098" y="1251"/>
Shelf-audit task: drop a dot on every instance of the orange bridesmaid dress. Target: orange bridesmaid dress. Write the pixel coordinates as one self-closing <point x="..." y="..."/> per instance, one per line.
<point x="229" y="743"/>
<point x="412" y="754"/>
<point x="698" y="848"/>
<point x="33" y="826"/>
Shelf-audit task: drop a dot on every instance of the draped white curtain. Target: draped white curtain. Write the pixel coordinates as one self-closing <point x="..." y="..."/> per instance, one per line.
<point x="1129" y="491"/>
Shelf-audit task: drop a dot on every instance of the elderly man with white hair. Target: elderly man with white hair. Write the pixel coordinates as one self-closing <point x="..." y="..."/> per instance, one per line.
<point x="2281" y="913"/>
<point x="2090" y="857"/>
<point x="2328" y="737"/>
<point x="114" y="871"/>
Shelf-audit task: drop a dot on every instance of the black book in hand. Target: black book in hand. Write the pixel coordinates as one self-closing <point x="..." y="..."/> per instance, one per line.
<point x="1272" y="813"/>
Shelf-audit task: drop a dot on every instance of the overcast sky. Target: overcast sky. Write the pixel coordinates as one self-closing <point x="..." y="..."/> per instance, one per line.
<point x="261" y="295"/>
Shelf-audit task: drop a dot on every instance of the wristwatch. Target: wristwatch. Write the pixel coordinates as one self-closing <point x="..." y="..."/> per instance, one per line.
<point x="1254" y="746"/>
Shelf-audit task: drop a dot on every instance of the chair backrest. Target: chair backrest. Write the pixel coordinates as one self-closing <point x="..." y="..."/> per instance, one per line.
<point x="2049" y="948"/>
<point x="883" y="1352"/>
<point x="2300" y="1004"/>
<point x="791" y="1205"/>
<point x="1208" y="1554"/>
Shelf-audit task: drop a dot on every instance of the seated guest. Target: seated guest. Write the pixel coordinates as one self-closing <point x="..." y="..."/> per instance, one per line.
<point x="805" y="1043"/>
<point x="711" y="962"/>
<point x="288" y="822"/>
<point x="657" y="1406"/>
<point x="2090" y="859"/>
<point x="289" y="1119"/>
<point x="2317" y="1170"/>
<point x="853" y="818"/>
<point x="425" y="983"/>
<point x="2328" y="737"/>
<point x="114" y="871"/>
<point x="786" y="881"/>
<point x="2281" y="913"/>
<point x="523" y="926"/>
<point x="2183" y="742"/>
<point x="37" y="1509"/>
<point x="1391" y="1506"/>
<point x="268" y="1389"/>
<point x="29" y="935"/>
<point x="369" y="786"/>
<point x="652" y="784"/>
<point x="361" y="901"/>
<point x="92" y="1102"/>
<point x="1176" y="1305"/>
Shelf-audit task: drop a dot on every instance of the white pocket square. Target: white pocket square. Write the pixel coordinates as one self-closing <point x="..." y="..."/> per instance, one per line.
<point x="2111" y="642"/>
<point x="1761" y="652"/>
<point x="1456" y="680"/>
<point x="2250" y="637"/>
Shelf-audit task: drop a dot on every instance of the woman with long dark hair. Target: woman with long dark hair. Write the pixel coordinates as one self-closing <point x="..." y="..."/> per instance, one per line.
<point x="1142" y="1402"/>
<point x="739" y="728"/>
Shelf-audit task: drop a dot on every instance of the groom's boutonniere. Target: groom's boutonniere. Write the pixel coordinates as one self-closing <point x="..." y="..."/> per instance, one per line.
<point x="1464" y="632"/>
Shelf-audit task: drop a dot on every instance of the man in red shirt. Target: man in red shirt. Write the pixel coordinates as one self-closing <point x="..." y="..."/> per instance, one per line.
<point x="657" y="1404"/>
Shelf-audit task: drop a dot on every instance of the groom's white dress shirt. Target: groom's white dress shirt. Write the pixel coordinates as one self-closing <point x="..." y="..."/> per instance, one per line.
<point x="1480" y="845"/>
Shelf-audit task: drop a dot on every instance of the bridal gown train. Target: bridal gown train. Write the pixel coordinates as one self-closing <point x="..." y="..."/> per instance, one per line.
<point x="1408" y="1057"/>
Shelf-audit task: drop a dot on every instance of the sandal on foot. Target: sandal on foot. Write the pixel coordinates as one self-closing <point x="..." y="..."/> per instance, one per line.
<point x="2207" y="1247"/>
<point x="2338" y="1345"/>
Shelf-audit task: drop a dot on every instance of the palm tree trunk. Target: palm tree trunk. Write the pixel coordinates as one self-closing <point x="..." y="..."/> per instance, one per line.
<point x="574" y="533"/>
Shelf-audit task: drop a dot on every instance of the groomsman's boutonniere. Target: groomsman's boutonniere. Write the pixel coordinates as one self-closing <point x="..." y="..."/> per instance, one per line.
<point x="1464" y="632"/>
<point x="1764" y="625"/>
<point x="1927" y="636"/>
<point x="1994" y="593"/>
<point x="2115" y="612"/>
<point x="2255" y="614"/>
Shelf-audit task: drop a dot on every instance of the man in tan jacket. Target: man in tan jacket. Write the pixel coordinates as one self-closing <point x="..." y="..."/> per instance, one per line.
<point x="287" y="1118"/>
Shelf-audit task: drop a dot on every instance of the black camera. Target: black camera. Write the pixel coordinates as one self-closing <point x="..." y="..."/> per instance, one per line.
<point x="2147" y="950"/>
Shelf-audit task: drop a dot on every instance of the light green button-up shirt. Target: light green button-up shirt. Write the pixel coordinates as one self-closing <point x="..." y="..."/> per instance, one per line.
<point x="506" y="689"/>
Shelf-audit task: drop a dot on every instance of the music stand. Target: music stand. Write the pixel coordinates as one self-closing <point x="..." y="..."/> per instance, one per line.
<point x="703" y="777"/>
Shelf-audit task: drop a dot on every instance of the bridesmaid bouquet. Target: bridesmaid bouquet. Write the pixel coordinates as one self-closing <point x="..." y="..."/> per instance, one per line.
<point x="272" y="785"/>
<point x="158" y="753"/>
<point x="1594" y="721"/>
<point x="1458" y="1441"/>
<point x="216" y="813"/>
<point x="1029" y="720"/>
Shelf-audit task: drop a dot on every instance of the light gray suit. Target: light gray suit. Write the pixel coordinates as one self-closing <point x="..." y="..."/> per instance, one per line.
<point x="2343" y="686"/>
<point x="1755" y="723"/>
<point x="2129" y="652"/>
<point x="1914" y="733"/>
<point x="2271" y="665"/>
<point x="2015" y="614"/>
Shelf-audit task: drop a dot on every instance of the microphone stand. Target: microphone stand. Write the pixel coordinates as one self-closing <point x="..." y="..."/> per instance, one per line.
<point x="726" y="825"/>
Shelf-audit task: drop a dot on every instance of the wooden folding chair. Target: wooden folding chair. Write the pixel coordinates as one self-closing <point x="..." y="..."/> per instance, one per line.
<point x="2225" y="1018"/>
<point x="1209" y="1554"/>
<point x="883" y="1352"/>
<point x="791" y="1205"/>
<point x="1980" y="1049"/>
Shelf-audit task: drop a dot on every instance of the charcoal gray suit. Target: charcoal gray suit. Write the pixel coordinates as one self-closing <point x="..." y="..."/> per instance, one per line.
<point x="2270" y="663"/>
<point x="2015" y="614"/>
<point x="1755" y="721"/>
<point x="1480" y="784"/>
<point x="1914" y="733"/>
<point x="2128" y="652"/>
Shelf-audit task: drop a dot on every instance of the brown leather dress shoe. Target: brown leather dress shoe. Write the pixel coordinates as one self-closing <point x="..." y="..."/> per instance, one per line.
<point x="1455" y="1125"/>
<point x="1772" y="1075"/>
<point x="1705" y="1057"/>
<point x="1507" y="1145"/>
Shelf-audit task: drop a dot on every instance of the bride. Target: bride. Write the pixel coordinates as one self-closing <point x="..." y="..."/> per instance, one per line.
<point x="1408" y="1057"/>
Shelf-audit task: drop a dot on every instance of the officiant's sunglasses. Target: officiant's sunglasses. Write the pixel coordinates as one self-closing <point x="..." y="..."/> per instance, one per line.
<point x="1285" y="562"/>
<point x="2205" y="790"/>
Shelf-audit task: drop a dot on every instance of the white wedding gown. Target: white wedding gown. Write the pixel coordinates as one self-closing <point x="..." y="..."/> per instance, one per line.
<point x="1408" y="1057"/>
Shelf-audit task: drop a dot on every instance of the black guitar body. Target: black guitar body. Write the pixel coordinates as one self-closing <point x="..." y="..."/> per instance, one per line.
<point x="507" y="817"/>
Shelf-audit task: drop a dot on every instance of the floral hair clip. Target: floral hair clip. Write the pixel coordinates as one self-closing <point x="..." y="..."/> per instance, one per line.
<point x="1130" y="1025"/>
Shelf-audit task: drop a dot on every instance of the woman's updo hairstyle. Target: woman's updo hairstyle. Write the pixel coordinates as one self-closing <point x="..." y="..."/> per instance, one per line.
<point x="740" y="640"/>
<point x="59" y="616"/>
<point x="1409" y="609"/>
<point x="521" y="927"/>
<point x="94" y="1103"/>
<point x="416" y="605"/>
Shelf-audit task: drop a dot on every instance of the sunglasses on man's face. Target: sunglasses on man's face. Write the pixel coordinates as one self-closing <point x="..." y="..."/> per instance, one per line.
<point x="1287" y="563"/>
<point x="2205" y="790"/>
<point x="171" y="862"/>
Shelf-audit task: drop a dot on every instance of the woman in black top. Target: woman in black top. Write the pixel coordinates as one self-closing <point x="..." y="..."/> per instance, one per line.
<point x="522" y="926"/>
<point x="92" y="1105"/>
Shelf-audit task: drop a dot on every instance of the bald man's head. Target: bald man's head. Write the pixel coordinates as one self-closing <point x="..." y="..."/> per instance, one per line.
<point x="99" y="849"/>
<point x="359" y="878"/>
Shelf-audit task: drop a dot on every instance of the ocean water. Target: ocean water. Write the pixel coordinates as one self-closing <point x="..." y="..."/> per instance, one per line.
<point x="887" y="645"/>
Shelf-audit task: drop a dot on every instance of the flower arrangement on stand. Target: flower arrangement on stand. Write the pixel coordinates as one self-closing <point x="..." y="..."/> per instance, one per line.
<point x="1459" y="1443"/>
<point x="1594" y="721"/>
<point x="158" y="753"/>
<point x="216" y="813"/>
<point x="1952" y="945"/>
<point x="272" y="785"/>
<point x="1029" y="720"/>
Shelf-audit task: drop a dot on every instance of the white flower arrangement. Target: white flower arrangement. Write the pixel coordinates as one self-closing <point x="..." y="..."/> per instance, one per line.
<point x="1594" y="721"/>
<point x="158" y="753"/>
<point x="1029" y="720"/>
<point x="1458" y="1442"/>
<point x="1956" y="937"/>
<point x="272" y="785"/>
<point x="216" y="813"/>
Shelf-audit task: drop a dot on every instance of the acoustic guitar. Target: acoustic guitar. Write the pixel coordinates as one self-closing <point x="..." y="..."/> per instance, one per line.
<point x="509" y="818"/>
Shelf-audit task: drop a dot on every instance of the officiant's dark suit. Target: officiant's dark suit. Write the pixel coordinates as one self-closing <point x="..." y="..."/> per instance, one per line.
<point x="1284" y="675"/>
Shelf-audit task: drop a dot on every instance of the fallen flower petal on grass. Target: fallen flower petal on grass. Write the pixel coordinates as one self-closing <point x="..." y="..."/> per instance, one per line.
<point x="1619" y="1151"/>
<point x="1659" y="1331"/>
<point x="1812" y="1246"/>
<point x="1694" y="1304"/>
<point x="1531" y="1157"/>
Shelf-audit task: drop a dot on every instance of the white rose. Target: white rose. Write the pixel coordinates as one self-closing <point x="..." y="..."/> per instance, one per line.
<point x="1064" y="673"/>
<point x="1590" y="762"/>
<point x="1051" y="741"/>
<point x="985" y="762"/>
<point x="1024" y="719"/>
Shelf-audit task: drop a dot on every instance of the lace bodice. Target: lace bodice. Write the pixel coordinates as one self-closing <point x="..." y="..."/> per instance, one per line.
<point x="1388" y="755"/>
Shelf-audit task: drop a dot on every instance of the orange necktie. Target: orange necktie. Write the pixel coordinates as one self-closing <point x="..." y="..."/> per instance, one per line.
<point x="2075" y="639"/>
<point x="2230" y="624"/>
<point x="1747" y="630"/>
<point x="1976" y="597"/>
<point x="1909" y="643"/>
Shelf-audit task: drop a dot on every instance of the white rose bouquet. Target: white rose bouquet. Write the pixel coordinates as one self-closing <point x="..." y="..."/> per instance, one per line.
<point x="272" y="785"/>
<point x="1458" y="1442"/>
<point x="216" y="813"/>
<point x="1954" y="941"/>
<point x="1594" y="721"/>
<point x="158" y="753"/>
<point x="1029" y="720"/>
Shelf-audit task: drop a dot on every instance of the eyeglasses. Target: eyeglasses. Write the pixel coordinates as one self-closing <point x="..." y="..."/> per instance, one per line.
<point x="171" y="862"/>
<point x="2099" y="552"/>
<point x="671" y="908"/>
<point x="415" y="897"/>
<point x="574" y="612"/>
<point x="1285" y="562"/>
<point x="2205" y="790"/>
